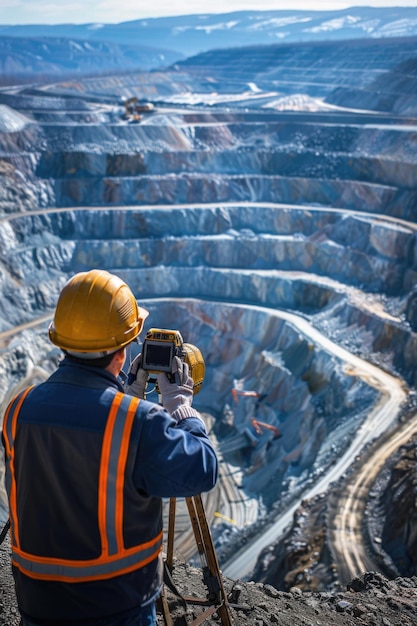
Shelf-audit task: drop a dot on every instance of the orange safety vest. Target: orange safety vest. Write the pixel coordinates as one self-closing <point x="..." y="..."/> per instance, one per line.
<point x="114" y="559"/>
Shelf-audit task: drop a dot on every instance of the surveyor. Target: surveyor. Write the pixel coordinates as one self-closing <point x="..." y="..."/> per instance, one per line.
<point x="87" y="466"/>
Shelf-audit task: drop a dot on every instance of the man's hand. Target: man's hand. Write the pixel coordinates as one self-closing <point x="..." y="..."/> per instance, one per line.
<point x="137" y="378"/>
<point x="179" y="392"/>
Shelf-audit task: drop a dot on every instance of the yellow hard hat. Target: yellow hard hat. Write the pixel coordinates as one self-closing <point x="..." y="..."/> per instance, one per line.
<point x="96" y="314"/>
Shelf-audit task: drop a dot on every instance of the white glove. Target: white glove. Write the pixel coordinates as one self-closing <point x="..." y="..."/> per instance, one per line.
<point x="137" y="378"/>
<point x="179" y="393"/>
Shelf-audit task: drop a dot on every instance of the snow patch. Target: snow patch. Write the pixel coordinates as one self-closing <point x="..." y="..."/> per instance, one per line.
<point x="76" y="46"/>
<point x="208" y="28"/>
<point x="215" y="98"/>
<point x="298" y="102"/>
<point x="180" y="29"/>
<point x="368" y="26"/>
<point x="221" y="26"/>
<point x="11" y="121"/>
<point x="278" y="22"/>
<point x="399" y="27"/>
<point x="336" y="24"/>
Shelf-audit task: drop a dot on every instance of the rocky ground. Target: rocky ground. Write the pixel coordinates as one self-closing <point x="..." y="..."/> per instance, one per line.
<point x="369" y="600"/>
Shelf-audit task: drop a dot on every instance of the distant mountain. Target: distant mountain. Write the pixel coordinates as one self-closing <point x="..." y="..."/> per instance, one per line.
<point x="26" y="52"/>
<point x="52" y="57"/>
<point x="191" y="34"/>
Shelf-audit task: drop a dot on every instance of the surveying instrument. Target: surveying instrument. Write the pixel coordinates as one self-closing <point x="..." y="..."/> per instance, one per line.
<point x="159" y="348"/>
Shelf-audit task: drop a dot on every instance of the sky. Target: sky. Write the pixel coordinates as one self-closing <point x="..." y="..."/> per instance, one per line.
<point x="115" y="11"/>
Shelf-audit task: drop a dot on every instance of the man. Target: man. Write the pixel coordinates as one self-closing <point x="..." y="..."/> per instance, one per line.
<point x="87" y="465"/>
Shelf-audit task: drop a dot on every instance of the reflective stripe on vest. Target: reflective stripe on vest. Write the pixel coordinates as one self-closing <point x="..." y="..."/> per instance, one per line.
<point x="115" y="559"/>
<point x="9" y="434"/>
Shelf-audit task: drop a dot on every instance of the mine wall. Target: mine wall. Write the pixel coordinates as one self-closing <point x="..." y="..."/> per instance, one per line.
<point x="220" y="223"/>
<point x="309" y="264"/>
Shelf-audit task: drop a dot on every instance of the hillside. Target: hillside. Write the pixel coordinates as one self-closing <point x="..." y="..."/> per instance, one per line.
<point x="26" y="59"/>
<point x="43" y="52"/>
<point x="191" y="34"/>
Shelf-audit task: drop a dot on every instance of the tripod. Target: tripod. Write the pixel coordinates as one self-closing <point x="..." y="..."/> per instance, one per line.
<point x="216" y="597"/>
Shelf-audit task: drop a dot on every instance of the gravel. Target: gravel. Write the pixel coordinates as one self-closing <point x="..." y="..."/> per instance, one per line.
<point x="369" y="600"/>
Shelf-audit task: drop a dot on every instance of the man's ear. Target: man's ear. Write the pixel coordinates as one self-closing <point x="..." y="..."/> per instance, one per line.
<point x="117" y="362"/>
<point x="121" y="356"/>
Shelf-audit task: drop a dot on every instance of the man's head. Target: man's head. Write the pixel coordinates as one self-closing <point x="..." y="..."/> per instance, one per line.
<point x="96" y="315"/>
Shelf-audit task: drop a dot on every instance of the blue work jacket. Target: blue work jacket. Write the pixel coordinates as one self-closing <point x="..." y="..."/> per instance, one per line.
<point x="87" y="467"/>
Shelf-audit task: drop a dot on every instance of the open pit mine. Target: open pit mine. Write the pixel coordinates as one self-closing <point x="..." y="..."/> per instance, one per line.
<point x="263" y="202"/>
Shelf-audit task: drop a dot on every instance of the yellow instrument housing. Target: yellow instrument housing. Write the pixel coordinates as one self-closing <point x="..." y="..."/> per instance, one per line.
<point x="160" y="347"/>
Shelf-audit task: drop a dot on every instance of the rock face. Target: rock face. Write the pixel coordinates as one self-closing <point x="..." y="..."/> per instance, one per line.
<point x="302" y="558"/>
<point x="397" y="95"/>
<point x="314" y="68"/>
<point x="280" y="242"/>
<point x="411" y="309"/>
<point x="399" y="536"/>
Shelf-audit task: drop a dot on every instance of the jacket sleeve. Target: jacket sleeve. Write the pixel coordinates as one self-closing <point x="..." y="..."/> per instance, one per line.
<point x="173" y="459"/>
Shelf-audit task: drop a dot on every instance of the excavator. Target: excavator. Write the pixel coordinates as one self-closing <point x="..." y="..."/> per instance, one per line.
<point x="257" y="424"/>
<point x="239" y="392"/>
<point x="133" y="108"/>
<point x="258" y="427"/>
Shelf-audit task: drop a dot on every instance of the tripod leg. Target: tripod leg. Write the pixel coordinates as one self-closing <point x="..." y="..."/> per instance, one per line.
<point x="197" y="530"/>
<point x="208" y="557"/>
<point x="165" y="608"/>
<point x="171" y="531"/>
